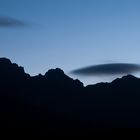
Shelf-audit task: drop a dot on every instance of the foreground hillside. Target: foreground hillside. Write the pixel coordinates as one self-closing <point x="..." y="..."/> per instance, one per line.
<point x="55" y="104"/>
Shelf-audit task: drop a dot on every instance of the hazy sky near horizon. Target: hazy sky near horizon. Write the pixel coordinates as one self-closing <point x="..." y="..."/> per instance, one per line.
<point x="69" y="34"/>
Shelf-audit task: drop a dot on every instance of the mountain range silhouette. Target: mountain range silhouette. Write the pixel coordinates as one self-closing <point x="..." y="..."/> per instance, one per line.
<point x="55" y="104"/>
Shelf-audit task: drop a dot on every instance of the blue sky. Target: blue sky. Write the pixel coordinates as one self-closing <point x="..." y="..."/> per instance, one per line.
<point x="71" y="34"/>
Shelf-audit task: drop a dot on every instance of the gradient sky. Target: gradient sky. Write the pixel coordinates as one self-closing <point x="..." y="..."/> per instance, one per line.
<point x="71" y="34"/>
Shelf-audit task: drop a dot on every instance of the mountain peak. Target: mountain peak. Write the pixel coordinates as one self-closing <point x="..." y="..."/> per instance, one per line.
<point x="129" y="76"/>
<point x="128" y="79"/>
<point x="54" y="72"/>
<point x="5" y="61"/>
<point x="9" y="69"/>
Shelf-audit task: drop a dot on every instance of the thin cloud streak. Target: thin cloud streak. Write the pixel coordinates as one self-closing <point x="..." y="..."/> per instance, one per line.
<point x="108" y="69"/>
<point x="10" y="22"/>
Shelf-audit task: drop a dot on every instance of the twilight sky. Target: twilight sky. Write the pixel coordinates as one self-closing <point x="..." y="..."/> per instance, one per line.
<point x="70" y="34"/>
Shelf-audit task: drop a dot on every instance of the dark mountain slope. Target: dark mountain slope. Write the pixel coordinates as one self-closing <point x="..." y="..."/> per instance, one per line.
<point x="56" y="104"/>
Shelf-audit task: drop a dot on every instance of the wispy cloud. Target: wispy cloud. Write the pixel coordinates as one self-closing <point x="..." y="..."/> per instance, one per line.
<point x="10" y="22"/>
<point x="108" y="69"/>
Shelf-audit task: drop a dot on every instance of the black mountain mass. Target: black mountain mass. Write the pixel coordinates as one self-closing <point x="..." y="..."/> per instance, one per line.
<point x="56" y="105"/>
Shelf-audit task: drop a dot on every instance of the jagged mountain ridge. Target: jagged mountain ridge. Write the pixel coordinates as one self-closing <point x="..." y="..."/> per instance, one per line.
<point x="12" y="69"/>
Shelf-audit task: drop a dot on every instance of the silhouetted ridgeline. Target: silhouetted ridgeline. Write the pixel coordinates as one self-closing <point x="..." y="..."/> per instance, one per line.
<point x="56" y="104"/>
